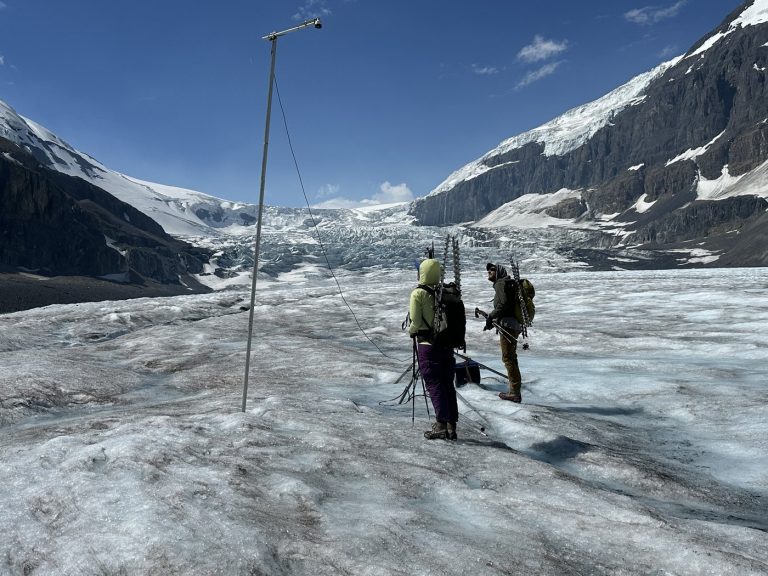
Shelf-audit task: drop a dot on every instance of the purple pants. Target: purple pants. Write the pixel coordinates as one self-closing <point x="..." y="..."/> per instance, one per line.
<point x="437" y="366"/>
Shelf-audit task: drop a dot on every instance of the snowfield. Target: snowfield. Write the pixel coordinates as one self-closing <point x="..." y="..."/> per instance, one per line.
<point x="641" y="446"/>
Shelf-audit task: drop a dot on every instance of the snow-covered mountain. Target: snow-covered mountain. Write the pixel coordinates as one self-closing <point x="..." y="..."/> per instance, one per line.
<point x="53" y="224"/>
<point x="178" y="210"/>
<point x="670" y="169"/>
<point x="566" y="132"/>
<point x="372" y="237"/>
<point x="353" y="239"/>
<point x="674" y="161"/>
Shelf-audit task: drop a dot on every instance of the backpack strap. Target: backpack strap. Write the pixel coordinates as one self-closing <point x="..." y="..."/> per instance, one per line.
<point x="427" y="335"/>
<point x="510" y="291"/>
<point x="427" y="289"/>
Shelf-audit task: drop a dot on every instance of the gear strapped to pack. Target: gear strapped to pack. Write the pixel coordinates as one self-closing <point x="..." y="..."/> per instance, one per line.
<point x="451" y="246"/>
<point x="450" y="323"/>
<point x="525" y="300"/>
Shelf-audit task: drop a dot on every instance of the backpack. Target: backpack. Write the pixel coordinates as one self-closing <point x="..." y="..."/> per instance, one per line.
<point x="528" y="292"/>
<point x="450" y="323"/>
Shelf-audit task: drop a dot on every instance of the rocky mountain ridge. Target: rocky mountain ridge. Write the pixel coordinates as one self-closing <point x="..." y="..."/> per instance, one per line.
<point x="179" y="211"/>
<point x="54" y="224"/>
<point x="667" y="170"/>
<point x="677" y="159"/>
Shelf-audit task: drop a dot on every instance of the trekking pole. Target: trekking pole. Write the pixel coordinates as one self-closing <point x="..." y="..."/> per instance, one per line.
<point x="504" y="332"/>
<point x="412" y="367"/>
<point x="404" y="393"/>
<point x="407" y="394"/>
<point x="403" y="374"/>
<point x="423" y="389"/>
<point x="484" y="423"/>
<point x="423" y="386"/>
<point x="481" y="365"/>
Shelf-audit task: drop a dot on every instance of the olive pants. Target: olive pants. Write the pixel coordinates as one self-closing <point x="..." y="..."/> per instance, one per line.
<point x="509" y="357"/>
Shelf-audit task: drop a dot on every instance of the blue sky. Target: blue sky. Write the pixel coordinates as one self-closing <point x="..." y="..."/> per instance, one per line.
<point x="382" y="103"/>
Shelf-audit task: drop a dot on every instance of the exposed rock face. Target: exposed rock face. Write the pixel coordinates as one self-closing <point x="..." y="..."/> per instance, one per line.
<point x="701" y="220"/>
<point x="60" y="225"/>
<point x="712" y="103"/>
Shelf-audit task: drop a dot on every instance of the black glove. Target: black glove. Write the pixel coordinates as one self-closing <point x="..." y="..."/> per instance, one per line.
<point x="488" y="324"/>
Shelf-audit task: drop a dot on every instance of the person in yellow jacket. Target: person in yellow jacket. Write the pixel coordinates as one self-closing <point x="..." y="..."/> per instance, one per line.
<point x="436" y="363"/>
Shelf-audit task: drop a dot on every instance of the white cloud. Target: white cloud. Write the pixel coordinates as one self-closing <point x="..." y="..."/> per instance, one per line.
<point x="312" y="9"/>
<point x="388" y="194"/>
<point x="339" y="202"/>
<point x="668" y="52"/>
<point x="2" y="58"/>
<point x="538" y="74"/>
<point x="541" y="49"/>
<point x="328" y="190"/>
<point x="3" y="5"/>
<point x="651" y="14"/>
<point x="484" y="70"/>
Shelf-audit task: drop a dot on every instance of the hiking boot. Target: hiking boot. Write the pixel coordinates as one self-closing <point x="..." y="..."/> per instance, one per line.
<point x="511" y="397"/>
<point x="439" y="431"/>
<point x="451" y="432"/>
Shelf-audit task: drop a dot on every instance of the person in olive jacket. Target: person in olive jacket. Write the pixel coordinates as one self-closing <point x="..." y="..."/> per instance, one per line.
<point x="503" y="315"/>
<point x="436" y="363"/>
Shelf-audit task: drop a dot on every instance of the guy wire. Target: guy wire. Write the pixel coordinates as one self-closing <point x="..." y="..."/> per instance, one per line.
<point x="314" y="224"/>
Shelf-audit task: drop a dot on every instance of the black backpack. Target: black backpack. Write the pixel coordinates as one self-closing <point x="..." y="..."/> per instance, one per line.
<point x="450" y="324"/>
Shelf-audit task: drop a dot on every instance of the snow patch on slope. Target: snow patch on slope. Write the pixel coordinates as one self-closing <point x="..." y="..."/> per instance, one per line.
<point x="641" y="205"/>
<point x="753" y="183"/>
<point x="755" y="14"/>
<point x="692" y="153"/>
<point x="528" y="211"/>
